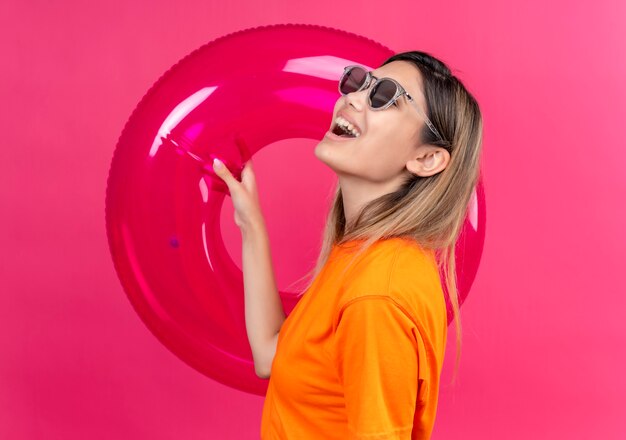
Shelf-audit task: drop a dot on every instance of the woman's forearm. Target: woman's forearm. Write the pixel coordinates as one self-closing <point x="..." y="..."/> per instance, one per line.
<point x="264" y="312"/>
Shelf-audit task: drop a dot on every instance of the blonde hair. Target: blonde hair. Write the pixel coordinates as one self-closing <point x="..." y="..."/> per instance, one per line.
<point x="429" y="210"/>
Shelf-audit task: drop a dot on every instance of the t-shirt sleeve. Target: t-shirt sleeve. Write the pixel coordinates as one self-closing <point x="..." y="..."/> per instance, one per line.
<point x="376" y="357"/>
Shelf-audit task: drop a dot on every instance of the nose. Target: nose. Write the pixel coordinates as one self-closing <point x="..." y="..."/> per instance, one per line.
<point x="358" y="100"/>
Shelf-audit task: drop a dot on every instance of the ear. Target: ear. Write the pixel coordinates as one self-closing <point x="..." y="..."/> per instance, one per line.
<point x="428" y="161"/>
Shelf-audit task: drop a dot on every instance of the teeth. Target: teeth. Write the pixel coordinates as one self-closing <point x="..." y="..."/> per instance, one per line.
<point x="345" y="124"/>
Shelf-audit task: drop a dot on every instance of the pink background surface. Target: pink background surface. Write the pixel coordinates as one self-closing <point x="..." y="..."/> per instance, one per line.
<point x="544" y="328"/>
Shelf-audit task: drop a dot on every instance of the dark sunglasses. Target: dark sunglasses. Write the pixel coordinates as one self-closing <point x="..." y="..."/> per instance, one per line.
<point x="385" y="92"/>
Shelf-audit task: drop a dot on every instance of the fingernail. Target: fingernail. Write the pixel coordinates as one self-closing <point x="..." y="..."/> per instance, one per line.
<point x="217" y="163"/>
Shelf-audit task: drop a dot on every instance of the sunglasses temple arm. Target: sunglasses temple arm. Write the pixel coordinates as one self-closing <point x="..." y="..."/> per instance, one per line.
<point x="426" y="120"/>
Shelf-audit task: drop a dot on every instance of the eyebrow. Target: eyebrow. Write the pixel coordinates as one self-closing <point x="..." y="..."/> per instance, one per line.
<point x="376" y="79"/>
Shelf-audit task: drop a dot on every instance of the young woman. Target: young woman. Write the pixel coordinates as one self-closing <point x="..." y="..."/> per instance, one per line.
<point x="361" y="354"/>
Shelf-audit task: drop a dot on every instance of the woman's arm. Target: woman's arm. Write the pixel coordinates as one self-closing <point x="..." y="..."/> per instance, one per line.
<point x="264" y="312"/>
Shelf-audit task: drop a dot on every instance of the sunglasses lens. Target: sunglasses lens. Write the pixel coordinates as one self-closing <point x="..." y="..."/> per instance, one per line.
<point x="382" y="93"/>
<point x="352" y="80"/>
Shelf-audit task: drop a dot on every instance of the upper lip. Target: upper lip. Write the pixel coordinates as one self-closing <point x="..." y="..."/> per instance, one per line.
<point x="350" y="120"/>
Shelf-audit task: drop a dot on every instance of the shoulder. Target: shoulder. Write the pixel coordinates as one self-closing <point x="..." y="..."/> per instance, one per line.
<point x="415" y="283"/>
<point x="390" y="267"/>
<point x="403" y="272"/>
<point x="398" y="291"/>
<point x="371" y="274"/>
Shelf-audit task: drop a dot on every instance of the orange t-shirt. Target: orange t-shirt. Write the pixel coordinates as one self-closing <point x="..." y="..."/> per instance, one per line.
<point x="360" y="357"/>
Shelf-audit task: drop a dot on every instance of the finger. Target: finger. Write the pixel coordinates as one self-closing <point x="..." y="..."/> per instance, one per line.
<point x="247" y="169"/>
<point x="223" y="172"/>
<point x="247" y="174"/>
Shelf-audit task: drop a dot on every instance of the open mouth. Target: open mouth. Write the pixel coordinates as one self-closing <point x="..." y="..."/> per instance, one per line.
<point x="340" y="128"/>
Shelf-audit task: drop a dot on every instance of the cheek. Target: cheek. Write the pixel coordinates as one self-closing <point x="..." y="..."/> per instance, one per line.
<point x="377" y="158"/>
<point x="381" y="137"/>
<point x="386" y="147"/>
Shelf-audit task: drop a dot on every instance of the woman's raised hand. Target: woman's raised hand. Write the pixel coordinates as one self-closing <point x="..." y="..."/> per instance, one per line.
<point x="244" y="194"/>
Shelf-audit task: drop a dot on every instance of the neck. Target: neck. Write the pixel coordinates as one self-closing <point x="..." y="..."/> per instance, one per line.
<point x="357" y="192"/>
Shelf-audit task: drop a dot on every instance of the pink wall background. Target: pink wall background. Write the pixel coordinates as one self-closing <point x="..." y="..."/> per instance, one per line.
<point x="544" y="328"/>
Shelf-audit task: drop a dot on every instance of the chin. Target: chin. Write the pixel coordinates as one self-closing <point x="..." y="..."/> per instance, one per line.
<point x="324" y="153"/>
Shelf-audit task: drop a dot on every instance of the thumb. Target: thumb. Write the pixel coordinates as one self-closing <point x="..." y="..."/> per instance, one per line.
<point x="247" y="174"/>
